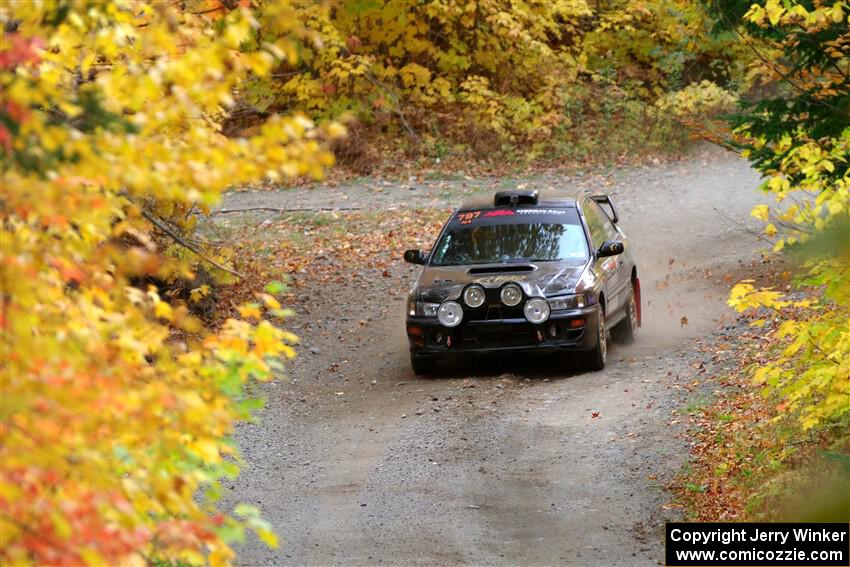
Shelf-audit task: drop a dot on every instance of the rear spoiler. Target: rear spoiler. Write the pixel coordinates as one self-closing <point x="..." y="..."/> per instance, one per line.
<point x="606" y="200"/>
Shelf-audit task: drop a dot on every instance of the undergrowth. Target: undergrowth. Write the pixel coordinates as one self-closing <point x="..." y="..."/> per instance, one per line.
<point x="751" y="460"/>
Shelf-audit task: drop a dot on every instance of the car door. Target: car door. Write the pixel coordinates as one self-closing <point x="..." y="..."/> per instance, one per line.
<point x="613" y="267"/>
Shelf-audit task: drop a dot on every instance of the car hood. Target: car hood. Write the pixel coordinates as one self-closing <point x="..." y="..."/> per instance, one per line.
<point x="441" y="283"/>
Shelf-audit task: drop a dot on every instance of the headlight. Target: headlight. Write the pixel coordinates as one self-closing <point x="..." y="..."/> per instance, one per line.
<point x="474" y="296"/>
<point x="511" y="295"/>
<point x="567" y="302"/>
<point x="421" y="309"/>
<point x="450" y="313"/>
<point x="536" y="310"/>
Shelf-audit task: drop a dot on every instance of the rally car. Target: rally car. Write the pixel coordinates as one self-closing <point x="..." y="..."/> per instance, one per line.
<point x="525" y="271"/>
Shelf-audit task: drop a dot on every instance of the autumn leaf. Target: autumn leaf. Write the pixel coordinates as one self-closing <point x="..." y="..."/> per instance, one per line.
<point x="129" y="399"/>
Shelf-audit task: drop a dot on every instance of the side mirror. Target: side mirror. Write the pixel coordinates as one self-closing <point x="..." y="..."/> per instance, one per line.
<point x="415" y="257"/>
<point x="610" y="248"/>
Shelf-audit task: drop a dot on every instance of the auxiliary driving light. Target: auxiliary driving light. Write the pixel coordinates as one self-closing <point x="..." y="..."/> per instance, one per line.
<point x="536" y="310"/>
<point x="511" y="295"/>
<point x="474" y="296"/>
<point x="450" y="314"/>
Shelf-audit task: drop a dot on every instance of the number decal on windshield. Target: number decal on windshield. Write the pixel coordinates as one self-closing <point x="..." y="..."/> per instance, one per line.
<point x="467" y="217"/>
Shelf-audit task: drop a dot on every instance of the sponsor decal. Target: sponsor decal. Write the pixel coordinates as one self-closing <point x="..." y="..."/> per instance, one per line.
<point x="542" y="211"/>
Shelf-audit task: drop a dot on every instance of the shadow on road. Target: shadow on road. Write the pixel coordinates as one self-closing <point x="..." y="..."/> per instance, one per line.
<point x="521" y="365"/>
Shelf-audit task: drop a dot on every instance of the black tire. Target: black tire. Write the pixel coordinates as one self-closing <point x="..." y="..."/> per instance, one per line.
<point x="627" y="329"/>
<point x="595" y="359"/>
<point x="423" y="365"/>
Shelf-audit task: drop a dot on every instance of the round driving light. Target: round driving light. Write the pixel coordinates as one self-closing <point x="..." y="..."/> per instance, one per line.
<point x="450" y="314"/>
<point x="511" y="295"/>
<point x="536" y="310"/>
<point x="474" y="296"/>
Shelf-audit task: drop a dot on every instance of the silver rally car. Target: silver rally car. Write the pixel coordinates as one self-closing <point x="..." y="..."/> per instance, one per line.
<point x="525" y="271"/>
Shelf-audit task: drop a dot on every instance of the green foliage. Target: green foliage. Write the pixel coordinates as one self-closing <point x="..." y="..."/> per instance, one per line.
<point x="807" y="45"/>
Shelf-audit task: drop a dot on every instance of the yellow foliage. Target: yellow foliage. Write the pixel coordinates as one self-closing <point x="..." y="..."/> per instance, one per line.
<point x="110" y="130"/>
<point x="510" y="68"/>
<point x="698" y="99"/>
<point x="760" y="212"/>
<point x="384" y="55"/>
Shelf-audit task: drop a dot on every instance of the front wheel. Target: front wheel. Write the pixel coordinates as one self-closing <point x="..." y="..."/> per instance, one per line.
<point x="626" y="330"/>
<point x="422" y="365"/>
<point x="595" y="359"/>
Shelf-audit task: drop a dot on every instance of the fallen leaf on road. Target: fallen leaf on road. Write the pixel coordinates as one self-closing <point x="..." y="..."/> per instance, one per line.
<point x="683" y="320"/>
<point x="594" y="414"/>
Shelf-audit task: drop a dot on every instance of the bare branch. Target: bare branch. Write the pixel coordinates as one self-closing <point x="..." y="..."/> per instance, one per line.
<point x="397" y="110"/>
<point x="157" y="222"/>
<point x="742" y="226"/>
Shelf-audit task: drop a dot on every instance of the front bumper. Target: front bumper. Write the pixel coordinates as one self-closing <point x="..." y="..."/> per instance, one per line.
<point x="560" y="332"/>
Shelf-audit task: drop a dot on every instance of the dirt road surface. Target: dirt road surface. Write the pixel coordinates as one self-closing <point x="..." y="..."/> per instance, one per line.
<point x="513" y="460"/>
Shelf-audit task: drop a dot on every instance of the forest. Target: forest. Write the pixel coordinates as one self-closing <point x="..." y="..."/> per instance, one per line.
<point x="136" y="342"/>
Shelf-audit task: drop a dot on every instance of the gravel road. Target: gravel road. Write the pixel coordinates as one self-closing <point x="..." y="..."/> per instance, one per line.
<point x="501" y="461"/>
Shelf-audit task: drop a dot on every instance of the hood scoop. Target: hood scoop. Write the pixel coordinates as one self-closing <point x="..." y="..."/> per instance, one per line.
<point x="501" y="270"/>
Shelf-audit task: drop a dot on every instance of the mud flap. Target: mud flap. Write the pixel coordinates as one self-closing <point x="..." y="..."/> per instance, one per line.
<point x="637" y="301"/>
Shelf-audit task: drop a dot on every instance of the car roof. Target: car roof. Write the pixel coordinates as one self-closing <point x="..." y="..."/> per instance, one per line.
<point x="546" y="198"/>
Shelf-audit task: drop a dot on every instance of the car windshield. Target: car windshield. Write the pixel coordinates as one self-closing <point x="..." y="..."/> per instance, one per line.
<point x="529" y="238"/>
